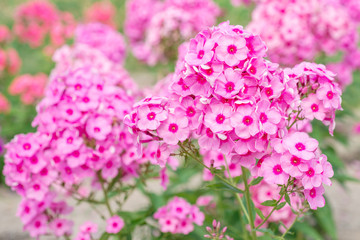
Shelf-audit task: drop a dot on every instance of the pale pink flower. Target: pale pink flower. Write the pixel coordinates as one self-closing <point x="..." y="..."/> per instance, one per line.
<point x="98" y="127"/>
<point x="229" y="84"/>
<point x="301" y="145"/>
<point x="151" y="117"/>
<point x="312" y="174"/>
<point x="174" y="129"/>
<point x="315" y="197"/>
<point x="245" y="121"/>
<point x="217" y="118"/>
<point x="272" y="171"/>
<point x="231" y="49"/>
<point x="114" y="224"/>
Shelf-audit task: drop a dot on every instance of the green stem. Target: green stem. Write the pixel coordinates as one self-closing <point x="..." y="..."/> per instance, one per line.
<point x="238" y="199"/>
<point x="295" y="120"/>
<point x="268" y="216"/>
<point x="288" y="229"/>
<point x="248" y="202"/>
<point x="231" y="182"/>
<point x="200" y="162"/>
<point x="105" y="194"/>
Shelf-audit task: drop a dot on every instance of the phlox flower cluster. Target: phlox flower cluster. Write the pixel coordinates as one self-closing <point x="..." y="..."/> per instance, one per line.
<point x="179" y="216"/>
<point x="80" y="140"/>
<point x="37" y="19"/>
<point x="227" y="96"/>
<point x="103" y="12"/>
<point x="156" y="28"/>
<point x="103" y="38"/>
<point x="300" y="30"/>
<point x="30" y="88"/>
<point x="10" y="61"/>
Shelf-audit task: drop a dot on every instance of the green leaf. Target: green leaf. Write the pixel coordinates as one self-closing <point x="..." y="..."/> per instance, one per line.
<point x="256" y="181"/>
<point x="287" y="199"/>
<point x="224" y="186"/>
<point x="259" y="213"/>
<point x="280" y="206"/>
<point x="105" y="236"/>
<point x="308" y="230"/>
<point x="269" y="203"/>
<point x="325" y="219"/>
<point x="265" y="230"/>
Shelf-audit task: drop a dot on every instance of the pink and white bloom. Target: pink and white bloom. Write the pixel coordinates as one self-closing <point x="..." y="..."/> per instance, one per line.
<point x="245" y="121"/>
<point x="98" y="127"/>
<point x="217" y="118"/>
<point x="272" y="171"/>
<point x="301" y="145"/>
<point x="269" y="117"/>
<point x="231" y="49"/>
<point x="315" y="197"/>
<point x="114" y="224"/>
<point x="174" y="129"/>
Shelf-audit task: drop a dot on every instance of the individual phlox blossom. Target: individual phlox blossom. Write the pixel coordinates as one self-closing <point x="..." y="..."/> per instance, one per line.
<point x="329" y="95"/>
<point x="217" y="118"/>
<point x="315" y="197"/>
<point x="328" y="171"/>
<point x="114" y="224"/>
<point x="61" y="227"/>
<point x="290" y="164"/>
<point x="179" y="216"/>
<point x="174" y="129"/>
<point x="103" y="12"/>
<point x="245" y="121"/>
<point x="200" y="51"/>
<point x="98" y="127"/>
<point x="229" y="84"/>
<point x="272" y="170"/>
<point x="103" y="38"/>
<point x="301" y="145"/>
<point x="231" y="49"/>
<point x="312" y="174"/>
<point x="150" y="117"/>
<point x="29" y="87"/>
<point x="269" y="117"/>
<point x="313" y="108"/>
<point x="86" y="231"/>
